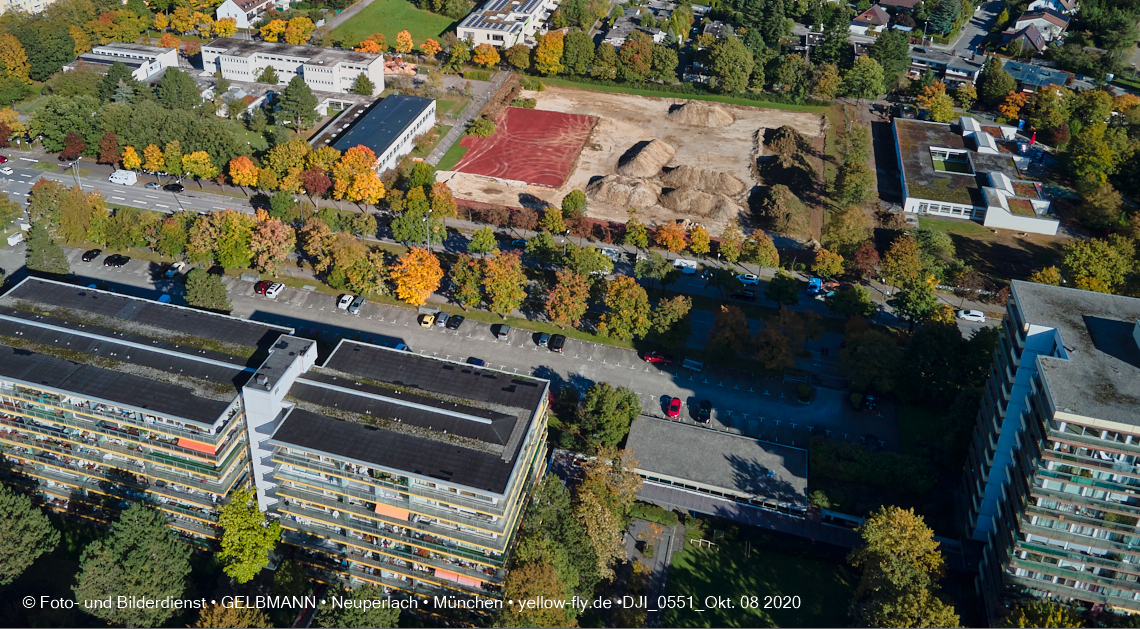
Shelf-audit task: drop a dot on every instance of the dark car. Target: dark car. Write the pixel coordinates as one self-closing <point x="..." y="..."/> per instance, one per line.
<point x="869" y="402"/>
<point x="174" y="187"/>
<point x="518" y="243"/>
<point x="746" y="295"/>
<point x="704" y="412"/>
<point x="115" y="260"/>
<point x="557" y="342"/>
<point x="261" y="287"/>
<point x="478" y="362"/>
<point x="91" y="255"/>
<point x="454" y="321"/>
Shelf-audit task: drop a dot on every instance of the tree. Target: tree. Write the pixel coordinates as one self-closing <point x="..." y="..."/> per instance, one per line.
<point x="225" y="27"/>
<point x="367" y="609"/>
<point x="577" y="55"/>
<point x="636" y="57"/>
<point x="431" y="48"/>
<point x="783" y="288"/>
<point x="43" y="254"/>
<point x="518" y="56"/>
<point x="867" y="78"/>
<point x="271" y="243"/>
<point x="730" y="333"/>
<point x="1050" y="275"/>
<point x="533" y="581"/>
<point x="298" y="102"/>
<point x="272" y="30"/>
<point x="672" y="321"/>
<point x="944" y="15"/>
<point x="902" y="266"/>
<point x="363" y="85"/>
<point x="1011" y="106"/>
<point x="827" y="264"/>
<point x="793" y="76"/>
<point x="466" y="279"/>
<point x="635" y="233"/>
<point x="417" y="275"/>
<point x="1043" y="613"/>
<point x="730" y="64"/>
<point x="154" y="159"/>
<point x="247" y="537"/>
<point x="731" y="241"/>
<point x="1096" y="265"/>
<point x="268" y="75"/>
<point x="141" y="557"/>
<point x="602" y="502"/>
<point x="916" y="303"/>
<point x="206" y="291"/>
<point x="199" y="166"/>
<point x="552" y="220"/>
<point x="759" y="249"/>
<point x="966" y="94"/>
<point x="699" y="241"/>
<point x="482" y="241"/>
<point x="628" y="305"/>
<point x="587" y="261"/>
<point x="671" y="236"/>
<point x="232" y="616"/>
<point x="656" y="267"/>
<point x="130" y="159"/>
<point x="315" y="182"/>
<point x="242" y="171"/>
<point x="73" y="146"/>
<point x="574" y="205"/>
<point x="423" y="174"/>
<point x="25" y="534"/>
<point x="855" y="301"/>
<point x="935" y="100"/>
<point x="503" y="281"/>
<point x="869" y="359"/>
<point x="994" y="83"/>
<point x="13" y="59"/>
<point x="605" y="415"/>
<point x="354" y="177"/>
<point x="892" y="52"/>
<point x="566" y="302"/>
<point x="825" y="81"/>
<point x="1090" y="156"/>
<point x="177" y="90"/>
<point x="486" y="55"/>
<point x="404" y="42"/>
<point x="605" y="62"/>
<point x="1100" y="207"/>
<point x="548" y="53"/>
<point x="298" y="30"/>
<point x="854" y="183"/>
<point x="172" y="157"/>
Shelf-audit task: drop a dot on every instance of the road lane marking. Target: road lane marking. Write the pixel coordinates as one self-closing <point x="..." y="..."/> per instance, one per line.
<point x="161" y="205"/>
<point x="149" y="197"/>
<point x="118" y="198"/>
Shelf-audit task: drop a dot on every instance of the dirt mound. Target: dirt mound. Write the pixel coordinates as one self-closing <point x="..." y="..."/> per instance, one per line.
<point x="623" y="191"/>
<point x="646" y="161"/>
<point x="700" y="114"/>
<point x="702" y="179"/>
<point x="697" y="203"/>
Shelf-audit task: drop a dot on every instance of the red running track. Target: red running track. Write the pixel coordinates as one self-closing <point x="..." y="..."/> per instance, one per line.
<point x="532" y="146"/>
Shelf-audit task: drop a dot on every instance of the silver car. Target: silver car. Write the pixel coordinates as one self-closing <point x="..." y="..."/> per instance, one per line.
<point x="441" y="319"/>
<point x="354" y="307"/>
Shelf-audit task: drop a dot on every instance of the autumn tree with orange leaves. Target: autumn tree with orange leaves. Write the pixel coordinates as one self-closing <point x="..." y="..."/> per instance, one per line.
<point x="271" y="242"/>
<point x="354" y="176"/>
<point x="417" y="274"/>
<point x="486" y="55"/>
<point x="1014" y="101"/>
<point x="373" y="44"/>
<point x="671" y="236"/>
<point x="566" y="302"/>
<point x="243" y="172"/>
<point x="430" y="48"/>
<point x="404" y="42"/>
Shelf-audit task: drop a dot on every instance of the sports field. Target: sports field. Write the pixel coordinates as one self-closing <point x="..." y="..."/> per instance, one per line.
<point x="390" y="17"/>
<point x="532" y="146"/>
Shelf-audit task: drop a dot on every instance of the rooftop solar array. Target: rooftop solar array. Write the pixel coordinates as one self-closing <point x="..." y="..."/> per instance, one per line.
<point x="383" y="124"/>
<point x="495" y="15"/>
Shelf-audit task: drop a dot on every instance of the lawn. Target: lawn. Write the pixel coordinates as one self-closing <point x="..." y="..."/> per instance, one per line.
<point x="390" y="17"/>
<point x="442" y="130"/>
<point x="256" y="140"/>
<point x="1002" y="256"/>
<point x="966" y="229"/>
<point x="444" y="105"/>
<point x="760" y="563"/>
<point x="452" y="156"/>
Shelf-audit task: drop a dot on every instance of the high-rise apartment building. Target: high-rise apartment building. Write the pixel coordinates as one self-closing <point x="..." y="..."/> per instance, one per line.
<point x="1052" y="485"/>
<point x="382" y="466"/>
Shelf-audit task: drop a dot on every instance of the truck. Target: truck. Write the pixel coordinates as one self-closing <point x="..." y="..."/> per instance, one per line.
<point x="124" y="177"/>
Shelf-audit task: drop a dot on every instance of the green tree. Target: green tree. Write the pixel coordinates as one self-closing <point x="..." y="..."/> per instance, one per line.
<point x="141" y="557"/>
<point x="1096" y="265"/>
<point x="566" y="302"/>
<point x="854" y="183"/>
<point x="504" y="281"/>
<point x="994" y="83"/>
<point x="825" y="81"/>
<point x="827" y="264"/>
<point x="628" y="310"/>
<point x="416" y="226"/>
<point x="25" y="534"/>
<point x="466" y="279"/>
<point x="1090" y="155"/>
<point x="672" y="321"/>
<point x="1050" y="275"/>
<point x="206" y="291"/>
<point x="361" y="614"/>
<point x="606" y="414"/>
<point x="363" y="85"/>
<point x="43" y="254"/>
<point x="942" y="20"/>
<point x="866" y="79"/>
<point x="298" y="103"/>
<point x="116" y="74"/>
<point x="587" y="261"/>
<point x="783" y="288"/>
<point x="656" y="267"/>
<point x="635" y="233"/>
<point x="892" y="51"/>
<point x="731" y="241"/>
<point x="552" y="220"/>
<point x="422" y="176"/>
<point x="730" y="64"/>
<point x="1043" y="613"/>
<point x="542" y="248"/>
<point x="870" y="359"/>
<point x="578" y="53"/>
<point x="730" y="333"/>
<point x="177" y="90"/>
<point x="574" y="205"/>
<point x="247" y="537"/>
<point x="268" y="75"/>
<point x="902" y="266"/>
<point x="482" y="241"/>
<point x="759" y="249"/>
<point x="855" y="301"/>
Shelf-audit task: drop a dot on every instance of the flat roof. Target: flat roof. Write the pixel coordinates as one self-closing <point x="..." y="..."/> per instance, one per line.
<point x="154" y="50"/>
<point x="382" y="124"/>
<point x="108" y="60"/>
<point x="234" y="47"/>
<point x="719" y="459"/>
<point x="1100" y="378"/>
<point x="915" y="138"/>
<point x="496" y="14"/>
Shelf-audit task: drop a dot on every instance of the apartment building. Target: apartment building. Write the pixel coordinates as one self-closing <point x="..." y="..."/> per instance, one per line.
<point x="143" y="61"/>
<point x="323" y="69"/>
<point x="107" y="399"/>
<point x="23" y="6"/>
<point x="504" y="23"/>
<point x="382" y="466"/>
<point x="1052" y="486"/>
<point x="244" y="12"/>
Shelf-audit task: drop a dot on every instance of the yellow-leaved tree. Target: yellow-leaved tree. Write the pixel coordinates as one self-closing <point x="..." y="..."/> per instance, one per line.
<point x="273" y="30"/>
<point x="404" y="42"/>
<point x="225" y="27"/>
<point x="298" y="30"/>
<point x="417" y="274"/>
<point x="131" y="159"/>
<point x="13" y="59"/>
<point x="153" y="159"/>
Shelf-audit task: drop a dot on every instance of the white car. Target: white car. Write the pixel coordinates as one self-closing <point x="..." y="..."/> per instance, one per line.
<point x="6" y="170"/>
<point x="344" y="302"/>
<point x="274" y="290"/>
<point x="972" y="315"/>
<point x="748" y="278"/>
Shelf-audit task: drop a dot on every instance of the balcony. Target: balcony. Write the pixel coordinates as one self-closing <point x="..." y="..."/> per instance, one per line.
<point x="1084" y="540"/>
<point x="1079" y="557"/>
<point x="1065" y="591"/>
<point x="1076" y="575"/>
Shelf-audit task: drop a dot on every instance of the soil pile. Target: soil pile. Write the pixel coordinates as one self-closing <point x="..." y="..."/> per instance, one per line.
<point x="702" y="179"/>
<point x="700" y="114"/>
<point x="703" y="204"/>
<point x="623" y="191"/>
<point x="648" y="161"/>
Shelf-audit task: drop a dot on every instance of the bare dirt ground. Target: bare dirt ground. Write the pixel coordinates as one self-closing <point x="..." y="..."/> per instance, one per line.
<point x="625" y="120"/>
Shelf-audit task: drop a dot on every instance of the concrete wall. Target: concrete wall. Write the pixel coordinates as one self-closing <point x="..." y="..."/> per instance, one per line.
<point x="1001" y="218"/>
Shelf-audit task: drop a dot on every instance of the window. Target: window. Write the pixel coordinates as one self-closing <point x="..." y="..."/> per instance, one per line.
<point x="496" y="37"/>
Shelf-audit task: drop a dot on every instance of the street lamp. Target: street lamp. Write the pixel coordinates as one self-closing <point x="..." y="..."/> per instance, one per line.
<point x="75" y="165"/>
<point x="565" y="241"/>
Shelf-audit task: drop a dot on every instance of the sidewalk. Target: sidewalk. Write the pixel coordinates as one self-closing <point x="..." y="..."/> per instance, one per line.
<point x="460" y="126"/>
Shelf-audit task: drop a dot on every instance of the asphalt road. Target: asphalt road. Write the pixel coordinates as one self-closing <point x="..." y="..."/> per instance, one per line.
<point x="975" y="29"/>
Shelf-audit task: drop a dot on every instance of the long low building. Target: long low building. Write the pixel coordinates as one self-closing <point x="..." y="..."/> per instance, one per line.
<point x="323" y="69"/>
<point x="382" y="466"/>
<point x="389" y="127"/>
<point x="143" y="61"/>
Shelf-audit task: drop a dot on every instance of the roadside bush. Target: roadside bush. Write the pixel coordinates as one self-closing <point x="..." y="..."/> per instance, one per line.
<point x="531" y="83"/>
<point x="481" y="128"/>
<point x="525" y="103"/>
<point x="653" y="513"/>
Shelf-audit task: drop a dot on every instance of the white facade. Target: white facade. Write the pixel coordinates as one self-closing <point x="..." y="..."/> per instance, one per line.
<point x="389" y="128"/>
<point x="323" y="69"/>
<point x="144" y="61"/>
<point x="1046" y="24"/>
<point x="405" y="144"/>
<point x="23" y="6"/>
<point x="244" y="12"/>
<point x="505" y="23"/>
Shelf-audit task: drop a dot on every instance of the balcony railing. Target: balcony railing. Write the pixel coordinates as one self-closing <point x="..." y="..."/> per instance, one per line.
<point x="1078" y="557"/>
<point x="1084" y="540"/>
<point x="1077" y="575"/>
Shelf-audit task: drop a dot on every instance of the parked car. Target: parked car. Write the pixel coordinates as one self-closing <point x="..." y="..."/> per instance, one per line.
<point x="403" y="348"/>
<point x="3" y="160"/>
<point x="173" y="270"/>
<point x="478" y="362"/>
<point x="174" y="187"/>
<point x="441" y="319"/>
<point x="704" y="412"/>
<point x="356" y="305"/>
<point x="274" y="290"/>
<point x="344" y="302"/>
<point x="557" y="342"/>
<point x="91" y="255"/>
<point x="746" y="295"/>
<point x="543" y="339"/>
<point x="154" y="185"/>
<point x="504" y="332"/>
<point x="262" y="286"/>
<point x="7" y="171"/>
<point x="454" y="321"/>
<point x="674" y="408"/>
<point x="116" y="261"/>
<point x="972" y="315"/>
<point x="518" y="243"/>
<point x="748" y="278"/>
<point x="657" y="358"/>
<point x="869" y="402"/>
<point x="427" y="320"/>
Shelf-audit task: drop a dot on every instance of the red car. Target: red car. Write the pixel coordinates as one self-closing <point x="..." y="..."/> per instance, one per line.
<point x="262" y="286"/>
<point x="3" y="160"/>
<point x="674" y="410"/>
<point x="657" y="358"/>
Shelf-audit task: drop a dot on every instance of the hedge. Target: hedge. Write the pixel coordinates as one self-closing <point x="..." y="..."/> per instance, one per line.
<point x="477" y="75"/>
